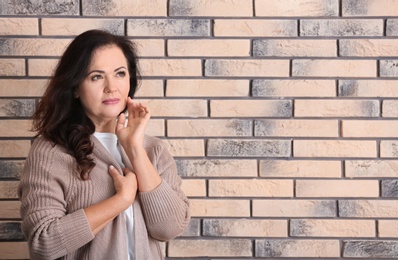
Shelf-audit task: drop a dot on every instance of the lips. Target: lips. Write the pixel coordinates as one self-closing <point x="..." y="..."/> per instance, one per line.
<point x="111" y="101"/>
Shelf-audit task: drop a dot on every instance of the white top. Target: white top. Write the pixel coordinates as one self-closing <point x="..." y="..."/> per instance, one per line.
<point x="110" y="142"/>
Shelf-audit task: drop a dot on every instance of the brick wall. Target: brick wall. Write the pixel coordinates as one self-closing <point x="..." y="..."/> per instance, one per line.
<point x="282" y="116"/>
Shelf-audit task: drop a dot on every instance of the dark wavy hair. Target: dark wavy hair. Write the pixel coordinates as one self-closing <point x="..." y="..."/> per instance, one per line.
<point x="59" y="116"/>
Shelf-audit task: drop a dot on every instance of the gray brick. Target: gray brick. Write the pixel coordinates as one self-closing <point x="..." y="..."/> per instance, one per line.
<point x="392" y="27"/>
<point x="339" y="28"/>
<point x="11" y="169"/>
<point x="389" y="68"/>
<point x="217" y="168"/>
<point x="95" y="7"/>
<point x="193" y="229"/>
<point x="168" y="27"/>
<point x="249" y="148"/>
<point x="354" y="7"/>
<point x="17" y="107"/>
<point x="348" y="88"/>
<point x="11" y="231"/>
<point x="376" y="249"/>
<point x="389" y="188"/>
<point x="39" y="7"/>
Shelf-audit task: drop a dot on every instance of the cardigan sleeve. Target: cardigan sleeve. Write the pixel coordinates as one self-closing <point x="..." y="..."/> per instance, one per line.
<point x="51" y="231"/>
<point x="166" y="208"/>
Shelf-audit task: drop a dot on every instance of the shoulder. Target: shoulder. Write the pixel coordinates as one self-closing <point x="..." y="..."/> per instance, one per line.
<point x="44" y="149"/>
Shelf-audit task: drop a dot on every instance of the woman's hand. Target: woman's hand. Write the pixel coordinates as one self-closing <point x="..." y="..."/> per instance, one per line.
<point x="133" y="134"/>
<point x="125" y="185"/>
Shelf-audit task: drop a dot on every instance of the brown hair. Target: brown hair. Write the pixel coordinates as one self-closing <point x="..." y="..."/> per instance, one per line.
<point x="59" y="116"/>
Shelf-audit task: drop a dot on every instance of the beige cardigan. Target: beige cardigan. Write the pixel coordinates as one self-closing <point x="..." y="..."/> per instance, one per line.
<point x="53" y="198"/>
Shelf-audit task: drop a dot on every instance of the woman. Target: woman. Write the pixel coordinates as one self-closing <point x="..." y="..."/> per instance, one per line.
<point x="94" y="187"/>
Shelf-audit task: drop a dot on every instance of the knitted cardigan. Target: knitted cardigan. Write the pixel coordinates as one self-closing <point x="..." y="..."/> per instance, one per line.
<point x="53" y="198"/>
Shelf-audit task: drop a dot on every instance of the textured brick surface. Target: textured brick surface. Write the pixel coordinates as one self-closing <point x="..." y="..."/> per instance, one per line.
<point x="392" y="27"/>
<point x="11" y="169"/>
<point x="250" y="108"/>
<point x="368" y="88"/>
<point x="368" y="208"/>
<point x="12" y="67"/>
<point x="294" y="88"/>
<point x="194" y="188"/>
<point x="22" y="88"/>
<point x="212" y="8"/>
<point x="186" y="147"/>
<point x="177" y="108"/>
<point x="11" y="231"/>
<point x="341" y="27"/>
<point x="389" y="68"/>
<point x="19" y="26"/>
<point x="389" y="149"/>
<point x="9" y="210"/>
<point x="16" y="107"/>
<point x="14" y="250"/>
<point x="370" y="8"/>
<point x="389" y="188"/>
<point x="337" y="188"/>
<point x="297" y="248"/>
<point x="368" y="128"/>
<point x="124" y="8"/>
<point x="17" y="148"/>
<point x="294" y="208"/>
<point x="378" y="249"/>
<point x="35" y="7"/>
<point x="389" y="108"/>
<point x="16" y="128"/>
<point x="336" y="108"/>
<point x="220" y="208"/>
<point x="245" y="227"/>
<point x="371" y="168"/>
<point x="150" y="47"/>
<point x="33" y="47"/>
<point x="288" y="8"/>
<point x="170" y="67"/>
<point x="300" y="169"/>
<point x="41" y="67"/>
<point x="369" y="48"/>
<point x="388" y="228"/>
<point x="217" y="168"/>
<point x="8" y="190"/>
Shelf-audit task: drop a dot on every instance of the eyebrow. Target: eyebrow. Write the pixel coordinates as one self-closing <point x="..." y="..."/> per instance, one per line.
<point x="103" y="72"/>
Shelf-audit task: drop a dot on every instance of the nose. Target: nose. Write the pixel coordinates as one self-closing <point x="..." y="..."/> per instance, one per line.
<point x="110" y="85"/>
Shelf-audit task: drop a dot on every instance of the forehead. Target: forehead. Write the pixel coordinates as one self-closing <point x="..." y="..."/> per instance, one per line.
<point x="108" y="56"/>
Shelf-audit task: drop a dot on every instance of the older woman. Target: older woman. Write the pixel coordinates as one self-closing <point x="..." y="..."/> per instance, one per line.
<point x="94" y="186"/>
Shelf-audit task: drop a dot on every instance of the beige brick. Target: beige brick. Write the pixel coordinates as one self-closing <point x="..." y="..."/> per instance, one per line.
<point x="332" y="228"/>
<point x="294" y="208"/>
<point x="14" y="148"/>
<point x="250" y="108"/>
<point x="16" y="128"/>
<point x="42" y="67"/>
<point x="371" y="168"/>
<point x="168" y="27"/>
<point x="369" y="47"/>
<point x="255" y="28"/>
<point x="8" y="189"/>
<point x="208" y="48"/>
<point x="341" y="27"/>
<point x="300" y="169"/>
<point x="177" y="108"/>
<point x="248" y="148"/>
<point x="22" y="87"/>
<point x="14" y="250"/>
<point x="150" y="47"/>
<point x="245" y="227"/>
<point x="16" y="107"/>
<point x="207" y="88"/>
<point x="213" y="8"/>
<point x="368" y="208"/>
<point x="33" y="47"/>
<point x="297" y="248"/>
<point x="210" y="247"/>
<point x="9" y="209"/>
<point x="369" y="128"/>
<point x="250" y="188"/>
<point x="170" y="67"/>
<point x="288" y="127"/>
<point x="294" y="88"/>
<point x="150" y="88"/>
<point x="75" y="26"/>
<point x="288" y="8"/>
<point x="296" y="48"/>
<point x="370" y="8"/>
<point x="207" y="127"/>
<point x="388" y="228"/>
<point x="336" y="108"/>
<point x="334" y="148"/>
<point x="12" y="67"/>
<point x="125" y="8"/>
<point x="186" y="147"/>
<point x="389" y="149"/>
<point x="219" y="208"/>
<point x="19" y="26"/>
<point x="194" y="187"/>
<point x="392" y="27"/>
<point x="155" y="127"/>
<point x="390" y="108"/>
<point x="337" y="188"/>
<point x="368" y="88"/>
<point x="334" y="68"/>
<point x="217" y="168"/>
<point x="247" y="68"/>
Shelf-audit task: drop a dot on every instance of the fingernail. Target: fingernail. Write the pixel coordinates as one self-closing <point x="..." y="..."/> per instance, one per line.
<point x="111" y="167"/>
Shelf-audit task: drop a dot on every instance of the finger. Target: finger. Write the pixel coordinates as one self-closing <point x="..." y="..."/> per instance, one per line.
<point x="120" y="122"/>
<point x="113" y="171"/>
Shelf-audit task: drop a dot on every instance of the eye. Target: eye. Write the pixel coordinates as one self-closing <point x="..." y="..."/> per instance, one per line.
<point x="120" y="74"/>
<point x="96" y="77"/>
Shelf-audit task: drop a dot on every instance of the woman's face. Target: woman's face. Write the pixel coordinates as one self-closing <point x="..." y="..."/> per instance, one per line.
<point x="103" y="92"/>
